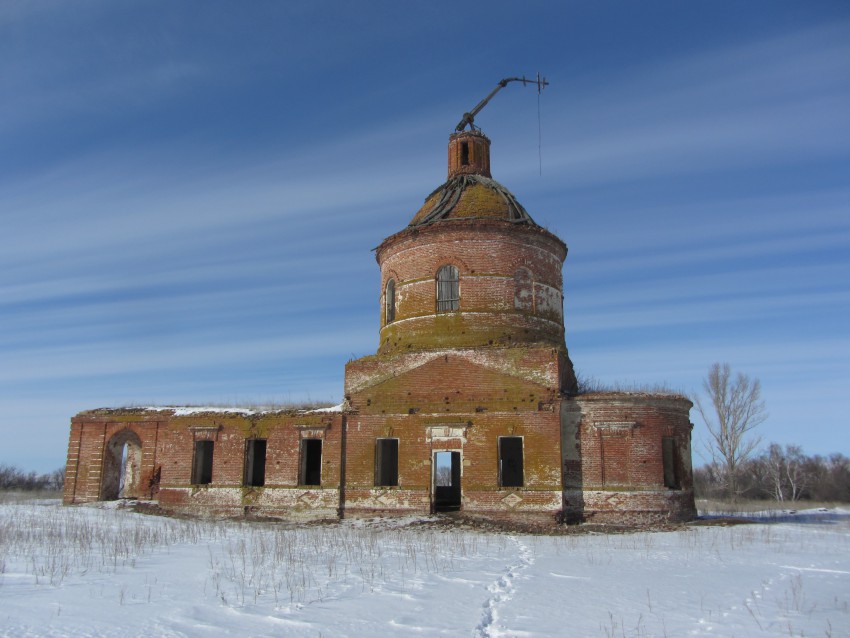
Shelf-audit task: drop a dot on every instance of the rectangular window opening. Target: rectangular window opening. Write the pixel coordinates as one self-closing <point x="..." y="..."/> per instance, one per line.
<point x="255" y="462"/>
<point x="389" y="301"/>
<point x="202" y="463"/>
<point x="669" y="451"/>
<point x="311" y="462"/>
<point x="386" y="462"/>
<point x="510" y="461"/>
<point x="464" y="153"/>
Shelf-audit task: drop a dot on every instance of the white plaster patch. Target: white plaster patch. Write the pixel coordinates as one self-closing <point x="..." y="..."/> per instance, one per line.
<point x="443" y="432"/>
<point x="512" y="500"/>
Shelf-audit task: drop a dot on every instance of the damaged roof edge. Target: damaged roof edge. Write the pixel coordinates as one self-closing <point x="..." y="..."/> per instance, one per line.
<point x="450" y="195"/>
<point x="230" y="410"/>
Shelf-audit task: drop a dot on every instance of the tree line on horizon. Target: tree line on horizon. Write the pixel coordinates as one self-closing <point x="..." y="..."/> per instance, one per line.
<point x="781" y="474"/>
<point x="16" y="479"/>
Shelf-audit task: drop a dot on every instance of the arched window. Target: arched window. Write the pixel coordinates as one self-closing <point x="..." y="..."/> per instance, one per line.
<point x="448" y="289"/>
<point x="389" y="301"/>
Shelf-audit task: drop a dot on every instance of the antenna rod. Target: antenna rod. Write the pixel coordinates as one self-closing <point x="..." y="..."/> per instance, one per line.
<point x="469" y="118"/>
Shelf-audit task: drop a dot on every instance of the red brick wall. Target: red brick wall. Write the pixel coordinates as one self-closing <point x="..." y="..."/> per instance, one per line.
<point x="487" y="254"/>
<point x="593" y="457"/>
<point x="167" y="455"/>
<point x="458" y="400"/>
<point x="613" y="458"/>
<point x="88" y="439"/>
<point x="478" y="154"/>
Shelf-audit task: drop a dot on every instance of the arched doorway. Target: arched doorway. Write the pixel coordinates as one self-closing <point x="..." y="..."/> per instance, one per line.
<point x="122" y="465"/>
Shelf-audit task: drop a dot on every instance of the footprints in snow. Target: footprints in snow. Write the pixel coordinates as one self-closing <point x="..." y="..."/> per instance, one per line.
<point x="502" y="590"/>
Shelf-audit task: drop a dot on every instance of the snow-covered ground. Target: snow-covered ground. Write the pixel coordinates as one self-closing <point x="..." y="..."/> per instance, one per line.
<point x="95" y="571"/>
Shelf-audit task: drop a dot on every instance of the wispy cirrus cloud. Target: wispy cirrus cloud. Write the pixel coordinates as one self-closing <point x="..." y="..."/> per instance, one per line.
<point x="106" y="358"/>
<point x="767" y="102"/>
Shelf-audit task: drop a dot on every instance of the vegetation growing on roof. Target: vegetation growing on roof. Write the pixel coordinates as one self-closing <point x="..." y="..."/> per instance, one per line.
<point x="471" y="196"/>
<point x="587" y="384"/>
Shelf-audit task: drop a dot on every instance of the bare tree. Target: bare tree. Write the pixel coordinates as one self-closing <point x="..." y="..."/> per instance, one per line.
<point x="796" y="472"/>
<point x="783" y="474"/>
<point x="734" y="407"/>
<point x="773" y="462"/>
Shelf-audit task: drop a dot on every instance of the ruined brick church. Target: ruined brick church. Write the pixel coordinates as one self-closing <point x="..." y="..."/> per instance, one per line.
<point x="470" y="403"/>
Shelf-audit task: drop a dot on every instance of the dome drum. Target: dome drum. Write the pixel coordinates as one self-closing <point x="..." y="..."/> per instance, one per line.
<point x="509" y="286"/>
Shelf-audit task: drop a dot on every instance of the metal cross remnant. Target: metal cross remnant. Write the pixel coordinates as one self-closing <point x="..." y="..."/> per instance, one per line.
<point x="469" y="118"/>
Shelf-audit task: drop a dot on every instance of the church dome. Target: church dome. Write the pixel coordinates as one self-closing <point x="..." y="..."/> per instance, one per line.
<point x="470" y="192"/>
<point x="472" y="269"/>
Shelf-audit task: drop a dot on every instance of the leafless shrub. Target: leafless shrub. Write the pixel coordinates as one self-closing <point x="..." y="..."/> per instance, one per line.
<point x="304" y="564"/>
<point x="587" y="384"/>
<point x="247" y="563"/>
<point x="60" y="541"/>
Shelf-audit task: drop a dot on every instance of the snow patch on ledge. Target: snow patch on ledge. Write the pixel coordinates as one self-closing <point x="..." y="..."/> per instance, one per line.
<point x="201" y="410"/>
<point x="188" y="411"/>
<point x="333" y="408"/>
<point x="191" y="410"/>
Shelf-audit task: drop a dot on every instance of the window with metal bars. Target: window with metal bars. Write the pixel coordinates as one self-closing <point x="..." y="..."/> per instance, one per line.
<point x="389" y="300"/>
<point x="448" y="289"/>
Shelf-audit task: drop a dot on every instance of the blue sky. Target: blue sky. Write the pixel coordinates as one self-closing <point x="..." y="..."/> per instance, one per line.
<point x="190" y="193"/>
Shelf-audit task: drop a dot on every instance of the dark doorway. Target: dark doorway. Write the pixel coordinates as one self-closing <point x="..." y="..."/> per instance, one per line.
<point x="510" y="461"/>
<point x="386" y="462"/>
<point x="669" y="451"/>
<point x="311" y="462"/>
<point x="202" y="463"/>
<point x="255" y="462"/>
<point x="446" y="481"/>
